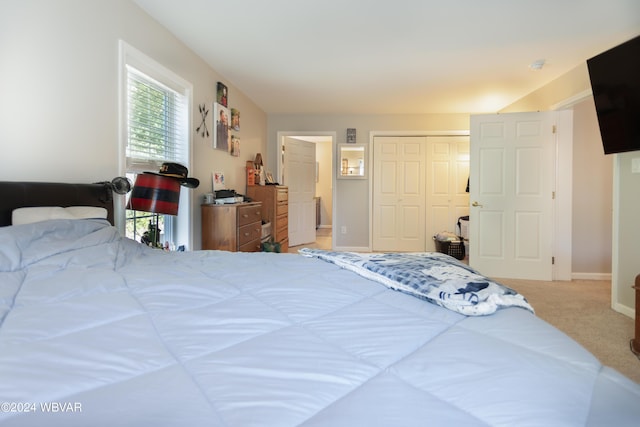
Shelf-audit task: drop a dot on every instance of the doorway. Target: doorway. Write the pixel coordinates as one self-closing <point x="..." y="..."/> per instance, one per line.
<point x="318" y="219"/>
<point x="419" y="187"/>
<point x="517" y="202"/>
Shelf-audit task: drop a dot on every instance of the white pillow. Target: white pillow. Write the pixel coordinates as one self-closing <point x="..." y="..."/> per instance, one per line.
<point x="43" y="213"/>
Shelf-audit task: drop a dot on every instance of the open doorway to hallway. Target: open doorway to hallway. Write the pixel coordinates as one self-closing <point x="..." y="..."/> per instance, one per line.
<point x="323" y="241"/>
<point x="321" y="216"/>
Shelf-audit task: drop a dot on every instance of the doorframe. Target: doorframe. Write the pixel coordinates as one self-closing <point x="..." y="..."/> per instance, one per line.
<point x="376" y="133"/>
<point x="562" y="209"/>
<point x="281" y="135"/>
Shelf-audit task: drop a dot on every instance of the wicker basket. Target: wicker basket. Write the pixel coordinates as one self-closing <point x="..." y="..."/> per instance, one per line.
<point x="455" y="249"/>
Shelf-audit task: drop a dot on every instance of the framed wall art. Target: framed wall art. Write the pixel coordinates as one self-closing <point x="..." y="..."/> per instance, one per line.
<point x="221" y="135"/>
<point x="234" y="146"/>
<point x="235" y="119"/>
<point x="222" y="94"/>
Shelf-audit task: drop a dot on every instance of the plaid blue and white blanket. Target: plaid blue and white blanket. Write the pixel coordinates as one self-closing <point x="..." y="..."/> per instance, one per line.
<point x="433" y="276"/>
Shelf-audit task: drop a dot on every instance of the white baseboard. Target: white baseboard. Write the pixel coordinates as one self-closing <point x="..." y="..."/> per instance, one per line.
<point x="623" y="309"/>
<point x="591" y="276"/>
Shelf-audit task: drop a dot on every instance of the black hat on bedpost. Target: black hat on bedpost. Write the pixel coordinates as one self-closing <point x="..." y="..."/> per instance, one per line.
<point x="179" y="172"/>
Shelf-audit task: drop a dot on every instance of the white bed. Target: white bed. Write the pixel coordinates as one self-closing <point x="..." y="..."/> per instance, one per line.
<point x="98" y="330"/>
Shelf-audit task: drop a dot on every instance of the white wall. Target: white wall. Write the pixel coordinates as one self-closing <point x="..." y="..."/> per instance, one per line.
<point x="59" y="94"/>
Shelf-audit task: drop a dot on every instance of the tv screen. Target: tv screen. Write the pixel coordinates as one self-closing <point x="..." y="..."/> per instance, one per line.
<point x="615" y="82"/>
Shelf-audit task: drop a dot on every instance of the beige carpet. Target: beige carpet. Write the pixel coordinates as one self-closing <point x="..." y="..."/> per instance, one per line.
<point x="582" y="310"/>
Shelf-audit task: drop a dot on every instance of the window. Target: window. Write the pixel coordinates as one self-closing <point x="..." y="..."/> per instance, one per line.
<point x="156" y="130"/>
<point x="156" y="123"/>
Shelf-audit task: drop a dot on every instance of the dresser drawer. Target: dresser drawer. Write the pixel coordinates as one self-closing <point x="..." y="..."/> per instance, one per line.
<point x="249" y="232"/>
<point x="284" y="245"/>
<point x="282" y="208"/>
<point x="282" y="195"/>
<point x="282" y="223"/>
<point x="249" y="214"/>
<point x="253" y="246"/>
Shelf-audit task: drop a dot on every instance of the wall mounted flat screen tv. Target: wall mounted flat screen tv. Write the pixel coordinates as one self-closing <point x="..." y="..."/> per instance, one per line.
<point x="615" y="82"/>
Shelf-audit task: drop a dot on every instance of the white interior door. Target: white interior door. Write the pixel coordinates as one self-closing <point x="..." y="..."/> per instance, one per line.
<point x="511" y="193"/>
<point x="447" y="175"/>
<point x="399" y="193"/>
<point x="300" y="162"/>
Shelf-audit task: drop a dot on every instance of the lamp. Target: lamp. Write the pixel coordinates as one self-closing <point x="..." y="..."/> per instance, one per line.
<point x="157" y="194"/>
<point x="120" y="185"/>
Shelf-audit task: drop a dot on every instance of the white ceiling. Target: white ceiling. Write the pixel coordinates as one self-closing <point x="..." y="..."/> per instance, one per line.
<point x="396" y="57"/>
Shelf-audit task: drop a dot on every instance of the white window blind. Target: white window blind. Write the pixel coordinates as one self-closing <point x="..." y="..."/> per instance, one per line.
<point x="157" y="121"/>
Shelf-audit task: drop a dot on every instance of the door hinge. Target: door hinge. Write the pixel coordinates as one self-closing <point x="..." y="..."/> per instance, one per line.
<point x="553" y="260"/>
<point x="554" y="129"/>
<point x="553" y="195"/>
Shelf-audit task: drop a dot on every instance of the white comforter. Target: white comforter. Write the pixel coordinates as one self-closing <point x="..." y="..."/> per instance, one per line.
<point x="97" y="330"/>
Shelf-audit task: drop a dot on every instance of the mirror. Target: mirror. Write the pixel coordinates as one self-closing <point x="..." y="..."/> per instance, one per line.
<point x="351" y="161"/>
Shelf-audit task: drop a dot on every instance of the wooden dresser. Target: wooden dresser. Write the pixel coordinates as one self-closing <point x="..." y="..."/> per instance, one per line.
<point x="232" y="227"/>
<point x="275" y="209"/>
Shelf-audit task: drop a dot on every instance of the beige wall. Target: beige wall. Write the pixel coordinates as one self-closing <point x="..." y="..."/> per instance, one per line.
<point x="59" y="94"/>
<point x="592" y="195"/>
<point x="571" y="84"/>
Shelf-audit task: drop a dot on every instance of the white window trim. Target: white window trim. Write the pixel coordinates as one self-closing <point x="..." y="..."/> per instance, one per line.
<point x="128" y="55"/>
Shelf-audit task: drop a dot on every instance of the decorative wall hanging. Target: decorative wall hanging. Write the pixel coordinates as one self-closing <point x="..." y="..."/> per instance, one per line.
<point x="221" y="94"/>
<point x="217" y="179"/>
<point x="235" y="119"/>
<point x="221" y="135"/>
<point x="202" y="129"/>
<point x="234" y="147"/>
<point x="351" y="135"/>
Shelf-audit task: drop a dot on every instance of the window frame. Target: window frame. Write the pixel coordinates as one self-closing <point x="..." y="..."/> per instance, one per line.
<point x="132" y="57"/>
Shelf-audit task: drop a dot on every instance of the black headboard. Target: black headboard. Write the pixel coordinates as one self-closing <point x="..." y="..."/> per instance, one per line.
<point x="27" y="194"/>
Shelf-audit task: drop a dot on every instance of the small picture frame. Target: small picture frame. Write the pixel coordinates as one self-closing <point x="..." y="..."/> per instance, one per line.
<point x="269" y="178"/>
<point x="222" y="94"/>
<point x="218" y="181"/>
<point x="351" y="136"/>
<point x="235" y="119"/>
<point x="234" y="146"/>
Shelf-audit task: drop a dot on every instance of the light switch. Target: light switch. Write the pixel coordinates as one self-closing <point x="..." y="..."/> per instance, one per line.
<point x="635" y="165"/>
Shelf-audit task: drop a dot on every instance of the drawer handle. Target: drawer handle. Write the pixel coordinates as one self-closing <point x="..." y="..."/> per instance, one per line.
<point x="245" y="216"/>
